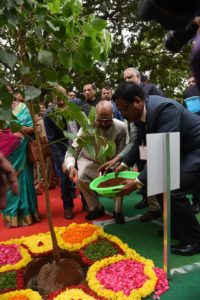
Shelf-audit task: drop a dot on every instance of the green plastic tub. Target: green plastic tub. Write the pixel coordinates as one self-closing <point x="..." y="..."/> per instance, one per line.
<point x="111" y="191"/>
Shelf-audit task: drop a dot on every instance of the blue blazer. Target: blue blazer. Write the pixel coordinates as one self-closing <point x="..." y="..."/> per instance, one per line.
<point x="166" y="115"/>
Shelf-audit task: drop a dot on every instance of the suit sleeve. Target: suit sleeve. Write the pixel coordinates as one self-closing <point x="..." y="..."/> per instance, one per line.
<point x="155" y="91"/>
<point x="133" y="137"/>
<point x="133" y="154"/>
<point x="168" y="120"/>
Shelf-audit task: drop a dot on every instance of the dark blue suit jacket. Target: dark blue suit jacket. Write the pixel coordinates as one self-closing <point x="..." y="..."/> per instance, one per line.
<point x="166" y="115"/>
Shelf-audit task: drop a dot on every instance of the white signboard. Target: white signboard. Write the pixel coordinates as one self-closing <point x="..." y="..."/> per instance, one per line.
<point x="156" y="162"/>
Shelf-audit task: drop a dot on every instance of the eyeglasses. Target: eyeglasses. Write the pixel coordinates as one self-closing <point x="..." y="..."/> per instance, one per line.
<point x="104" y="120"/>
<point x="124" y="110"/>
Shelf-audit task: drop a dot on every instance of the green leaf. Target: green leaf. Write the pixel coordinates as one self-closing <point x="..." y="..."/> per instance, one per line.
<point x="101" y="156"/>
<point x="51" y="25"/>
<point x="5" y="97"/>
<point x="6" y="115"/>
<point x="24" y="70"/>
<point x="98" y="24"/>
<point x="91" y="150"/>
<point x="2" y="122"/>
<point x="45" y="57"/>
<point x="8" y="58"/>
<point x="82" y="119"/>
<point x="52" y="83"/>
<point x="15" y="127"/>
<point x="19" y="2"/>
<point x="31" y="92"/>
<point x="71" y="136"/>
<point x="3" y="20"/>
<point x="51" y="75"/>
<point x="13" y="17"/>
<point x="38" y="32"/>
<point x="54" y="6"/>
<point x="63" y="56"/>
<point x="66" y="79"/>
<point x="92" y="116"/>
<point x="72" y="8"/>
<point x="74" y="108"/>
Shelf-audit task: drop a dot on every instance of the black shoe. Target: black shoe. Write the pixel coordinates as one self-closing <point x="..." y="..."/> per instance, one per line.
<point x="173" y="234"/>
<point x="119" y="218"/>
<point x="98" y="212"/>
<point x="196" y="208"/>
<point x="68" y="214"/>
<point x="150" y="215"/>
<point x="186" y="250"/>
<point x="142" y="204"/>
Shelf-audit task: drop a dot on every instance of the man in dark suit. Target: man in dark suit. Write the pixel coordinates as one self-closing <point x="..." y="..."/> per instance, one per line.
<point x="132" y="74"/>
<point x="155" y="114"/>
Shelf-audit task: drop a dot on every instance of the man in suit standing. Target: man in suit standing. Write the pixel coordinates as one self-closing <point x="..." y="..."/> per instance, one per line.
<point x="132" y="74"/>
<point x="158" y="115"/>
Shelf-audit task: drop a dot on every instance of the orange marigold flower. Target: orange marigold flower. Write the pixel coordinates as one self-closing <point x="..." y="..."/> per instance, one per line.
<point x="77" y="236"/>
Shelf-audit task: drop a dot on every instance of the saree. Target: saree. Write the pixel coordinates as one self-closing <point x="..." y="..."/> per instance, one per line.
<point x="21" y="209"/>
<point x="8" y="142"/>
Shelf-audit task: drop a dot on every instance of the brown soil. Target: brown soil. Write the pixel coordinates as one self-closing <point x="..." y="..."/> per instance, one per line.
<point x="111" y="182"/>
<point x="45" y="275"/>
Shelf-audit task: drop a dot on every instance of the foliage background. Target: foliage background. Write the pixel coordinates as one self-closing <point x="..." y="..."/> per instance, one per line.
<point x="46" y="44"/>
<point x="139" y="44"/>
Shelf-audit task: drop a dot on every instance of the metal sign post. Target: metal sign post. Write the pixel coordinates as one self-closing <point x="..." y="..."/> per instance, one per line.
<point x="163" y="175"/>
<point x="166" y="211"/>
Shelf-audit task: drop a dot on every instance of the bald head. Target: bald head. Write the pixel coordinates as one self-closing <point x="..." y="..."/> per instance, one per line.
<point x="59" y="88"/>
<point x="104" y="115"/>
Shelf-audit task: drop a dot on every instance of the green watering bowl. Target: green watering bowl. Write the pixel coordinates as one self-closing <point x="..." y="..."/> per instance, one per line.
<point x="111" y="191"/>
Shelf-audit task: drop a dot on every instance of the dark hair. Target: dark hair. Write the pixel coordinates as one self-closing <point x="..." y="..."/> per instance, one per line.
<point x="106" y="87"/>
<point x="92" y="85"/>
<point x="127" y="91"/>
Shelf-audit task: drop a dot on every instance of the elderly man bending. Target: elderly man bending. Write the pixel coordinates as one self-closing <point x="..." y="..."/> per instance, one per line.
<point x="113" y="130"/>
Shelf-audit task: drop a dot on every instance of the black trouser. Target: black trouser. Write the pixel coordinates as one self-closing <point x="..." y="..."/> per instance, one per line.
<point x="196" y="197"/>
<point x="183" y="221"/>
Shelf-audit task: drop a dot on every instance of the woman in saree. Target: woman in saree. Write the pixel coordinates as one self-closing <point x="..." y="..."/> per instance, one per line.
<point x="21" y="209"/>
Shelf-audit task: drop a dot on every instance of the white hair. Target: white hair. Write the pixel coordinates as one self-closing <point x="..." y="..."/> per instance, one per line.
<point x="134" y="70"/>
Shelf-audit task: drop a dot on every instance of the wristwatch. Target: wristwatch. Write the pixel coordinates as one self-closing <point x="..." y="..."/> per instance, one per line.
<point x="139" y="185"/>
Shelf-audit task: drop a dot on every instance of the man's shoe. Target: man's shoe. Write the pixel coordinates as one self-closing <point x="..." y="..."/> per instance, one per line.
<point x="119" y="218"/>
<point x="173" y="234"/>
<point x="186" y="250"/>
<point x="68" y="213"/>
<point x="150" y="215"/>
<point x="98" y="212"/>
<point x="142" y="204"/>
<point x="196" y="208"/>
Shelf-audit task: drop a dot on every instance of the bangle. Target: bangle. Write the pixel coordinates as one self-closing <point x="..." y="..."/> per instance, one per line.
<point x="123" y="164"/>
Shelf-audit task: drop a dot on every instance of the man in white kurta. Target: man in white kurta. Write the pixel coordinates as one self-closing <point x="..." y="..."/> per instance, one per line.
<point x="112" y="129"/>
